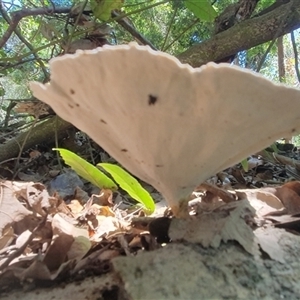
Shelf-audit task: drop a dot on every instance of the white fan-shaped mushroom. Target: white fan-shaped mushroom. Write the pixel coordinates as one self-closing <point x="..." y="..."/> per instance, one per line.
<point x="169" y="124"/>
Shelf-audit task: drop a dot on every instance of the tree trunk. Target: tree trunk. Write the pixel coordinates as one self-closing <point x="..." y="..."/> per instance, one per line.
<point x="42" y="133"/>
<point x="245" y="35"/>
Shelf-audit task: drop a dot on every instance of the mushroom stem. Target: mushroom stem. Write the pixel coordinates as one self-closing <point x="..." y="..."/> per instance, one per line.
<point x="181" y="210"/>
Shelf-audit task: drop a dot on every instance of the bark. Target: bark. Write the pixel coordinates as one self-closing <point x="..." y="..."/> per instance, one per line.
<point x="41" y="133"/>
<point x="281" y="67"/>
<point x="245" y="35"/>
<point x="280" y="56"/>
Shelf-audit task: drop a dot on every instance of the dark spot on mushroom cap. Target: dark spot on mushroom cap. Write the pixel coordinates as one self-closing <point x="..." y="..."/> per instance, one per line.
<point x="77" y="104"/>
<point x="159" y="166"/>
<point x="124" y="150"/>
<point x="152" y="99"/>
<point x="70" y="105"/>
<point x="72" y="91"/>
<point x="293" y="130"/>
<point x="101" y="120"/>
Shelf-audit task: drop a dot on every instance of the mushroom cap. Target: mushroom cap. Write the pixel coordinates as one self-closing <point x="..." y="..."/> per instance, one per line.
<point x="169" y="124"/>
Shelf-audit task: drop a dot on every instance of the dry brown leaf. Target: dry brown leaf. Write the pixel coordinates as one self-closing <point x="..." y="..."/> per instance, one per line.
<point x="75" y="206"/>
<point x="57" y="252"/>
<point x="216" y="192"/>
<point x="80" y="244"/>
<point x="289" y="194"/>
<point x="39" y="199"/>
<point x="237" y="174"/>
<point x="262" y="200"/>
<point x="34" y="108"/>
<point x="6" y="237"/>
<point x="105" y="211"/>
<point x="81" y="195"/>
<point x="286" y="160"/>
<point x="34" y="154"/>
<point x="286" y="221"/>
<point x="104" y="199"/>
<point x="109" y="226"/>
<point x="11" y="210"/>
<point x="274" y="200"/>
<point x="82" y="44"/>
<point x="28" y="222"/>
<point x="62" y="223"/>
<point x="36" y="195"/>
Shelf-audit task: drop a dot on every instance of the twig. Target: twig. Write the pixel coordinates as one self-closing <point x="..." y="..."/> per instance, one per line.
<point x="121" y="16"/>
<point x="20" y="14"/>
<point x="8" y="66"/>
<point x="295" y="55"/>
<point x="75" y="25"/>
<point x="132" y="30"/>
<point x="263" y="59"/>
<point x="22" y="148"/>
<point x="22" y="39"/>
<point x="276" y="35"/>
<point x="9" y="108"/>
<point x="182" y="33"/>
<point x="169" y="28"/>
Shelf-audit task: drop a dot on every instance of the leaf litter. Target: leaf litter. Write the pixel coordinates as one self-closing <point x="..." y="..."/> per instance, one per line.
<point x="45" y="239"/>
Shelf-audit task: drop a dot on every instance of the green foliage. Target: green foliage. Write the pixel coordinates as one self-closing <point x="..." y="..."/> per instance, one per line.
<point x="201" y="9"/>
<point x="2" y="91"/>
<point x="92" y="174"/>
<point x="86" y="170"/>
<point x="296" y="140"/>
<point x="274" y="148"/>
<point x="102" y="8"/>
<point x="245" y="165"/>
<point x="161" y="20"/>
<point x="129" y="184"/>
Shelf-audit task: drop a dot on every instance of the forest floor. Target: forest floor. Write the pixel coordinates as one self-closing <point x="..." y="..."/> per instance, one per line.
<point x="62" y="238"/>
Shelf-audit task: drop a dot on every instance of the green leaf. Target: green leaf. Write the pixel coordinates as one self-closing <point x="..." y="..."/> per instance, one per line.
<point x="86" y="170"/>
<point x="129" y="184"/>
<point x="202" y="9"/>
<point x="245" y="164"/>
<point x="2" y="91"/>
<point x="275" y="148"/>
<point x="102" y="8"/>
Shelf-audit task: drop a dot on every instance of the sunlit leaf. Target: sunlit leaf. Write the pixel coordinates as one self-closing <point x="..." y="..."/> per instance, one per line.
<point x="102" y="8"/>
<point x="245" y="165"/>
<point x="86" y="170"/>
<point x="129" y="184"/>
<point x="274" y="148"/>
<point x="2" y="91"/>
<point x="201" y="9"/>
